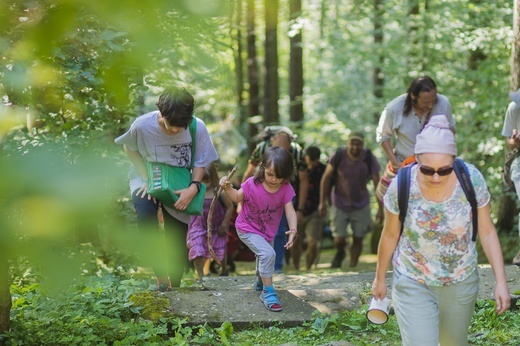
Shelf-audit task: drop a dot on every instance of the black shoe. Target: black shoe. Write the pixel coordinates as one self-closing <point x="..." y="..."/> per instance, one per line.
<point x="338" y="259"/>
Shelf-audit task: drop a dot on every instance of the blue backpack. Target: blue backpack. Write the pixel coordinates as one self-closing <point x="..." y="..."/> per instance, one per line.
<point x="461" y="170"/>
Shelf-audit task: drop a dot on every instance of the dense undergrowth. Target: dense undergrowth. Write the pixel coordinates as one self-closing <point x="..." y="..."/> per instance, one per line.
<point x="110" y="308"/>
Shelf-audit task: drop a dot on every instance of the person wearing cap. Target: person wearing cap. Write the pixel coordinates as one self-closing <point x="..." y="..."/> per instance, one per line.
<point x="351" y="168"/>
<point x="401" y="121"/>
<point x="435" y="263"/>
<point x="511" y="131"/>
<point x="285" y="138"/>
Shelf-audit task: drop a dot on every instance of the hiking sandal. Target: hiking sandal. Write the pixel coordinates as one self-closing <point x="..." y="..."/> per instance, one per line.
<point x="270" y="301"/>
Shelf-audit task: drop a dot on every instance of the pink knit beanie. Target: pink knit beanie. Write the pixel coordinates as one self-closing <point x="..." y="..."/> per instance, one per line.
<point x="436" y="137"/>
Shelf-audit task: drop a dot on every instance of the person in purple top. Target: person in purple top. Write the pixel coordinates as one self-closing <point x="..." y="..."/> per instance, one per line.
<point x="265" y="197"/>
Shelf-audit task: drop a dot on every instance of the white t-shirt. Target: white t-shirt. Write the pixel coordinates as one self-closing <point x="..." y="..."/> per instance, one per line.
<point x="146" y="137"/>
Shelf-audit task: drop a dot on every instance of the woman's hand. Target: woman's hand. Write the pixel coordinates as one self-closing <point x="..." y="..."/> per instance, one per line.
<point x="502" y="298"/>
<point x="379" y="289"/>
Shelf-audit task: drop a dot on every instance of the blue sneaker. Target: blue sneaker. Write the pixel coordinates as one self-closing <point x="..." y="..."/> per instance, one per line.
<point x="270" y="301"/>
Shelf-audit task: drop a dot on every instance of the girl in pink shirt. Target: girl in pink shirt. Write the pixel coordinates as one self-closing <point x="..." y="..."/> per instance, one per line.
<point x="264" y="197"/>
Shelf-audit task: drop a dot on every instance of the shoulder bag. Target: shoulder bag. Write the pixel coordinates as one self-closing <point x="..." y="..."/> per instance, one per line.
<point x="164" y="179"/>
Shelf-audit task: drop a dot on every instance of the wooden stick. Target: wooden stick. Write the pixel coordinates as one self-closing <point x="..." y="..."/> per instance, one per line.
<point x="210" y="216"/>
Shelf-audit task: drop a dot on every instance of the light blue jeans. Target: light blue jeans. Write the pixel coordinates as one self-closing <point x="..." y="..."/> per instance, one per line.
<point x="434" y="315"/>
<point x="263" y="250"/>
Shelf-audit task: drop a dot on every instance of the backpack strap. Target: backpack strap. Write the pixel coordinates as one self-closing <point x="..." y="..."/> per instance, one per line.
<point x="368" y="161"/>
<point x="193" y="134"/>
<point x="337" y="157"/>
<point x="403" y="192"/>
<point x="461" y="170"/>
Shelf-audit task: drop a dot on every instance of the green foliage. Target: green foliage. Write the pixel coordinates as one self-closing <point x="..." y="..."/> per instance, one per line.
<point x="111" y="309"/>
<point x="488" y="328"/>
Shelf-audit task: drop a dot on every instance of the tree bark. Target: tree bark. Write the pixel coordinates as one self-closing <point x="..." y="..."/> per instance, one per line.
<point x="271" y="93"/>
<point x="414" y="60"/>
<point x="296" y="65"/>
<point x="252" y="72"/>
<point x="378" y="77"/>
<point x="239" y="64"/>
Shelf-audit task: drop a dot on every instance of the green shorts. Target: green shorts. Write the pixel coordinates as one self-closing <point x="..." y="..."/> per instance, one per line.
<point x="360" y="222"/>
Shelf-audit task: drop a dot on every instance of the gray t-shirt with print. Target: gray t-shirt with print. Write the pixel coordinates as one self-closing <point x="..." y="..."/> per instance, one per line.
<point x="146" y="137"/>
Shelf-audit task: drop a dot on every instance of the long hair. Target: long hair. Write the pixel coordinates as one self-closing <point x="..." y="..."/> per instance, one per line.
<point x="210" y="177"/>
<point x="420" y="84"/>
<point x="282" y="162"/>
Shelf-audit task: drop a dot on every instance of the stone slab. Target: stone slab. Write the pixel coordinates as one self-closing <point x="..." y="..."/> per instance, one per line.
<point x="233" y="298"/>
<point x="242" y="308"/>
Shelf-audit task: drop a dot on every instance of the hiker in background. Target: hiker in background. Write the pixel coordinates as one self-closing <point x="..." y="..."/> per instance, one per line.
<point x="197" y="239"/>
<point x="435" y="263"/>
<point x="284" y="138"/>
<point x="401" y="121"/>
<point x="265" y="197"/>
<point x="312" y="224"/>
<point x="511" y="131"/>
<point x="351" y="169"/>
<point x="163" y="136"/>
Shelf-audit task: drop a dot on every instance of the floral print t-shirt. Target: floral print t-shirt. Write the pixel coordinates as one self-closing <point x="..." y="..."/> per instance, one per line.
<point x="436" y="247"/>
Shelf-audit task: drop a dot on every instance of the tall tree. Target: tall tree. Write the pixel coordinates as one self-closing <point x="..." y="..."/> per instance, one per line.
<point x="252" y="72"/>
<point x="239" y="65"/>
<point x="378" y="74"/>
<point x="515" y="53"/>
<point x="413" y="57"/>
<point x="271" y="92"/>
<point x="295" y="64"/>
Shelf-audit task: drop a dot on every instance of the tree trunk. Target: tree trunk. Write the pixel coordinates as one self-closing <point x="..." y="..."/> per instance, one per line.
<point x="296" y="65"/>
<point x="239" y="65"/>
<point x="378" y="77"/>
<point x="413" y="55"/>
<point x="515" y="53"/>
<point x="252" y="72"/>
<point x="508" y="208"/>
<point x="271" y="93"/>
<point x="5" y="294"/>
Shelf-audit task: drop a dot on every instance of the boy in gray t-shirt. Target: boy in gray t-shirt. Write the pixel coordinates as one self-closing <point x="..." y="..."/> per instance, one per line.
<point x="163" y="136"/>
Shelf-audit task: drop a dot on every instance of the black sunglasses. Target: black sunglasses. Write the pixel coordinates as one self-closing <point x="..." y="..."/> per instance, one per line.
<point x="430" y="171"/>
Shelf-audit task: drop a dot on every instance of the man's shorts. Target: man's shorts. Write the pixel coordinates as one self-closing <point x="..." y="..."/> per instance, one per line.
<point x="360" y="222"/>
<point x="312" y="225"/>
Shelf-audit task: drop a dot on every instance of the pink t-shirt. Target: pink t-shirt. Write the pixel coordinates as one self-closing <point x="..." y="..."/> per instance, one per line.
<point x="262" y="210"/>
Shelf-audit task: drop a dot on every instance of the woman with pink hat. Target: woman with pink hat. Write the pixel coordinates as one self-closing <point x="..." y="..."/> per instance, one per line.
<point x="435" y="264"/>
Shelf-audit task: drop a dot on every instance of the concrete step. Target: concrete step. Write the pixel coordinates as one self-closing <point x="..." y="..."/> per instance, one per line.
<point x="233" y="299"/>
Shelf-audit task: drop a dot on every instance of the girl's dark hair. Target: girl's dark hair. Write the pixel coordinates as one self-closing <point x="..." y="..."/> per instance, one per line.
<point x="420" y="84"/>
<point x="282" y="162"/>
<point x="176" y="106"/>
<point x="210" y="177"/>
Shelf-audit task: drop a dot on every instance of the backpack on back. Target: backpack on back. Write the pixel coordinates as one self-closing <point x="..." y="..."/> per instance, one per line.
<point x="461" y="170"/>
